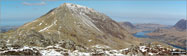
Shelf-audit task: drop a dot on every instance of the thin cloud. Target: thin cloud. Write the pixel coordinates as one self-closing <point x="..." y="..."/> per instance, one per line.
<point x="31" y="4"/>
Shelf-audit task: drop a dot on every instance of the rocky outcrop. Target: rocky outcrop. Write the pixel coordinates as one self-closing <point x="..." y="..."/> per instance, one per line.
<point x="22" y="52"/>
<point x="68" y="48"/>
<point x="63" y="45"/>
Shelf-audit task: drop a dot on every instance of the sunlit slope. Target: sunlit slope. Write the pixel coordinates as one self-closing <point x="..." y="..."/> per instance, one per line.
<point x="83" y="25"/>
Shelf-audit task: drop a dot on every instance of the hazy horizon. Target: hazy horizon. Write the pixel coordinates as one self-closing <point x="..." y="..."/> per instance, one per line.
<point x="158" y="12"/>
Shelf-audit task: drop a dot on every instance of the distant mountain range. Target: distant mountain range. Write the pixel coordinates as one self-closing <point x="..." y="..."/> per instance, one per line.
<point x="7" y="28"/>
<point x="150" y="26"/>
<point x="133" y="28"/>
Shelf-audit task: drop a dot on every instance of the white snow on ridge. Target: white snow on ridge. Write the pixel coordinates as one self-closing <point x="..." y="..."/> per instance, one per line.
<point x="88" y="22"/>
<point x="76" y="8"/>
<point x="73" y="5"/>
<point x="41" y="23"/>
<point x="81" y="10"/>
<point x="46" y="28"/>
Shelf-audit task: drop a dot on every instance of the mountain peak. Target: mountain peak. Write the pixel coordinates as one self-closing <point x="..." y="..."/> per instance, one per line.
<point x="181" y="24"/>
<point x="79" y="24"/>
<point x="76" y="7"/>
<point x="73" y="5"/>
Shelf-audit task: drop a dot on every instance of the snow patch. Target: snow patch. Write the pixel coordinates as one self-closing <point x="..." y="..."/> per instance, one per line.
<point x="173" y="49"/>
<point x="86" y="21"/>
<point x="40" y="24"/>
<point x="150" y="53"/>
<point x="81" y="8"/>
<point x="74" y="6"/>
<point x="46" y="28"/>
<point x="51" y="52"/>
<point x="142" y="48"/>
<point x="100" y="46"/>
<point x="77" y="53"/>
<point x="89" y="40"/>
<point x="124" y="49"/>
<point x="55" y="22"/>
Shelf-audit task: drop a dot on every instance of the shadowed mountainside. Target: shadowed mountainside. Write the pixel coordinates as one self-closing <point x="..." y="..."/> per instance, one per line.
<point x="181" y="24"/>
<point x="129" y="27"/>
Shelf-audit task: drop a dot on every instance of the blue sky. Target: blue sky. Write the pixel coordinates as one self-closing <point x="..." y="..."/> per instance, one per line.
<point x="160" y="12"/>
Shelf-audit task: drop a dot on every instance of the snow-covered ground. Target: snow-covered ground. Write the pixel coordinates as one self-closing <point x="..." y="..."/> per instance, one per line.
<point x="57" y="50"/>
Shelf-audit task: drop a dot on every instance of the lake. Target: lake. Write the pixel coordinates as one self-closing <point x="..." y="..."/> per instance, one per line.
<point x="143" y="35"/>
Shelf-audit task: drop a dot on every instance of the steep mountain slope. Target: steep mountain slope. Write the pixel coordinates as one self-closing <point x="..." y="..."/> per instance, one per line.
<point x="128" y="26"/>
<point x="181" y="24"/>
<point x="80" y="24"/>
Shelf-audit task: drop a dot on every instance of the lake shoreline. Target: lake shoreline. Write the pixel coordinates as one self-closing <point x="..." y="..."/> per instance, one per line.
<point x="142" y="34"/>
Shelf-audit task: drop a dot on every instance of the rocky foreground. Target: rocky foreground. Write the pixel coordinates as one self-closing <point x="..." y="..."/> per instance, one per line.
<point x="69" y="48"/>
